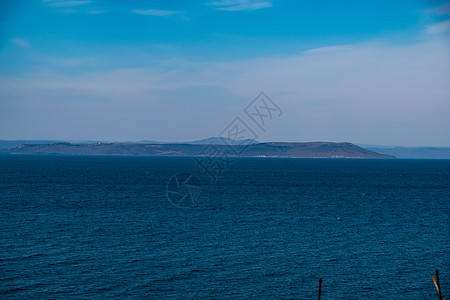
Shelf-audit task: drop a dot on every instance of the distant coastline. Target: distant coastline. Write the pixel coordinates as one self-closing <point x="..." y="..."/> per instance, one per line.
<point x="129" y="148"/>
<point x="247" y="149"/>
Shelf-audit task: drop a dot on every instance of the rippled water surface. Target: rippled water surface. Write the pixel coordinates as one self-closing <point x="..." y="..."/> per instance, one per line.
<point x="101" y="227"/>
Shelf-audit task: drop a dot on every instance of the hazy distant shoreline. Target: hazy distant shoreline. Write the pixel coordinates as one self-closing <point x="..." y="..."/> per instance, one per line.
<point x="274" y="149"/>
<point x="194" y="148"/>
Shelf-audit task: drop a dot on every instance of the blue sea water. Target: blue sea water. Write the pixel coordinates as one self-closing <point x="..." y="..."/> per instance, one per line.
<point x="102" y="227"/>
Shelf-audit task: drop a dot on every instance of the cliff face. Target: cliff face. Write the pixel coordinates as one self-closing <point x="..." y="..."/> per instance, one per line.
<point x="275" y="149"/>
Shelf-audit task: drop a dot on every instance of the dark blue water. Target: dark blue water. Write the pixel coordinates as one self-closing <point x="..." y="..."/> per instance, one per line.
<point x="102" y="227"/>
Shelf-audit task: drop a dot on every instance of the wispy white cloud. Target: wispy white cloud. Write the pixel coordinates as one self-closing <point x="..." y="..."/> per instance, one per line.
<point x="59" y="3"/>
<point x="96" y="12"/>
<point x="438" y="28"/>
<point x="328" y="49"/>
<point x="155" y="12"/>
<point x="440" y="10"/>
<point x="239" y="5"/>
<point x="441" y="14"/>
<point x="21" y="42"/>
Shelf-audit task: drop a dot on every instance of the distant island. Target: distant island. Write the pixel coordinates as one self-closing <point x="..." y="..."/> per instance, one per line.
<point x="222" y="146"/>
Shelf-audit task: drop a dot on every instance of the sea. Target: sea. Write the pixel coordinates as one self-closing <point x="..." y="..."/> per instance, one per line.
<point x="131" y="227"/>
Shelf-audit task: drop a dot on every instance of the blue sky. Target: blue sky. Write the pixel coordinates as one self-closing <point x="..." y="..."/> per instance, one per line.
<point x="373" y="72"/>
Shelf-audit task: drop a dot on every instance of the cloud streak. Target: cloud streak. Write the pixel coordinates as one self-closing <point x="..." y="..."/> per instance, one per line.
<point x="240" y="5"/>
<point x="441" y="27"/>
<point x="440" y="10"/>
<point x="21" y="42"/>
<point x="155" y="12"/>
<point x="438" y="28"/>
<point x="63" y="4"/>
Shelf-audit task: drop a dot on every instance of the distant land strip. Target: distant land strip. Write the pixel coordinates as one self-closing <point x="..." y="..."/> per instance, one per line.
<point x="270" y="149"/>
